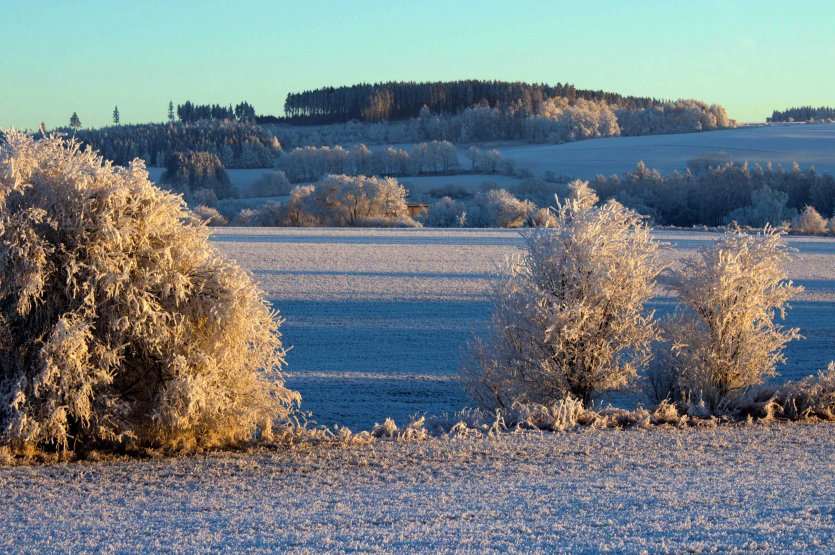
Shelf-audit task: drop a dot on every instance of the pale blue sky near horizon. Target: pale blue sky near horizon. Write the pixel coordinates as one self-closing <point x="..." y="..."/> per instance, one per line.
<point x="88" y="56"/>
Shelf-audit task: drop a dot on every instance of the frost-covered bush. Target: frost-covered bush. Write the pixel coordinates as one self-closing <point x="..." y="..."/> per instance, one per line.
<point x="768" y="207"/>
<point x="813" y="396"/>
<point x="447" y="212"/>
<point x="809" y="221"/>
<point x="569" y="320"/>
<point x="120" y="323"/>
<point x="498" y="208"/>
<point x="209" y="215"/>
<point x="272" y="184"/>
<point x="205" y="197"/>
<point x="724" y="338"/>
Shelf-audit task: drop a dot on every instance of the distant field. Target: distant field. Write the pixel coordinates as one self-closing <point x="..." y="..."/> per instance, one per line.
<point x="809" y="145"/>
<point x="378" y="318"/>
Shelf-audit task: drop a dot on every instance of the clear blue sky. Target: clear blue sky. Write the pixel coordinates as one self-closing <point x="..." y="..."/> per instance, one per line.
<point x="63" y="56"/>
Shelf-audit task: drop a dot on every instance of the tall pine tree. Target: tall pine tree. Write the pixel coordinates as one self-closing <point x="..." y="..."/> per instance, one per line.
<point x="116" y="115"/>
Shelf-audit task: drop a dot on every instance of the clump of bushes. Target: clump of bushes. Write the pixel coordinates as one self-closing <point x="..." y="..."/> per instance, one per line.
<point x="120" y="324"/>
<point x="569" y="320"/>
<point x="339" y="201"/>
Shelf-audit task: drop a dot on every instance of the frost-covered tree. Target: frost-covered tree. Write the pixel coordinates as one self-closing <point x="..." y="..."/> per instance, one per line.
<point x="570" y="318"/>
<point x="191" y="171"/>
<point x="120" y="323"/>
<point x="499" y="208"/>
<point x="809" y="221"/>
<point x="724" y="338"/>
<point x="447" y="212"/>
<point x="271" y="184"/>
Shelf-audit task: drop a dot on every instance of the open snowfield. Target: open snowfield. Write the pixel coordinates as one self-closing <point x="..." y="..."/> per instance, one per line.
<point x="808" y="145"/>
<point x="755" y="489"/>
<point x="377" y="318"/>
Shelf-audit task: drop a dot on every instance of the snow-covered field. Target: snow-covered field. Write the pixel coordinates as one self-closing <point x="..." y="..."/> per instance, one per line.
<point x="808" y="145"/>
<point x="754" y="489"/>
<point x="377" y="318"/>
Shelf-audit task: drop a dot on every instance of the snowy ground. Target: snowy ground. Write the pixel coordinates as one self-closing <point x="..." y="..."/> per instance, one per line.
<point x="377" y="318"/>
<point x="808" y="145"/>
<point x="756" y="489"/>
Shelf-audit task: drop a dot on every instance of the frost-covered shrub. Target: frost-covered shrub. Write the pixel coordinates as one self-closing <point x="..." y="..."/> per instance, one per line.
<point x="209" y="215"/>
<point x="120" y="323"/>
<point x="813" y="396"/>
<point x="724" y="338"/>
<point x="768" y="207"/>
<point x="569" y="320"/>
<point x="272" y="184"/>
<point x="205" y="197"/>
<point x="345" y="201"/>
<point x="498" y="208"/>
<point x="191" y="171"/>
<point x="446" y="213"/>
<point x="809" y="221"/>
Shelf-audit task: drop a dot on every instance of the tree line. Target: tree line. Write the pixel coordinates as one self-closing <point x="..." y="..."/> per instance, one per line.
<point x="402" y="100"/>
<point x="189" y="112"/>
<point x="238" y="144"/>
<point x="717" y="192"/>
<point x="556" y="120"/>
<point x="803" y="113"/>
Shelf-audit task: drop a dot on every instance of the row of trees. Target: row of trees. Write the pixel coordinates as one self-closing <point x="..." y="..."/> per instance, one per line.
<point x="555" y="120"/>
<point x="238" y="144"/>
<point x="714" y="192"/>
<point x="571" y="318"/>
<point x="189" y="112"/>
<point x="312" y="163"/>
<point x="403" y="100"/>
<point x="803" y="113"/>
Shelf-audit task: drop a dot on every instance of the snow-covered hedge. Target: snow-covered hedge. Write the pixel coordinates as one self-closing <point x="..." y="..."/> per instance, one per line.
<point x="119" y="323"/>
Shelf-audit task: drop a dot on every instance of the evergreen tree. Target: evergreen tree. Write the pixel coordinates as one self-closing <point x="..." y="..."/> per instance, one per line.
<point x="116" y="115"/>
<point x="170" y="111"/>
<point x="75" y="123"/>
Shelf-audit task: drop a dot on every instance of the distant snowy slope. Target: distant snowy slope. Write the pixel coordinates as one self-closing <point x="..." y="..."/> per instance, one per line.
<point x="809" y="145"/>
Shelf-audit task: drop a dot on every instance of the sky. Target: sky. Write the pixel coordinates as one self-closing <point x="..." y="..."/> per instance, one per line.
<point x="60" y="57"/>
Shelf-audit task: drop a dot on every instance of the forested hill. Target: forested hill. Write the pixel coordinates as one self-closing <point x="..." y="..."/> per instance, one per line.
<point x="402" y="100"/>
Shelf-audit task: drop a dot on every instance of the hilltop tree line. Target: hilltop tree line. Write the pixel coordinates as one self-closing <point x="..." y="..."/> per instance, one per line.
<point x="238" y="144"/>
<point x="402" y="100"/>
<point x="803" y="113"/>
<point x="189" y="112"/>
<point x="556" y="120"/>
